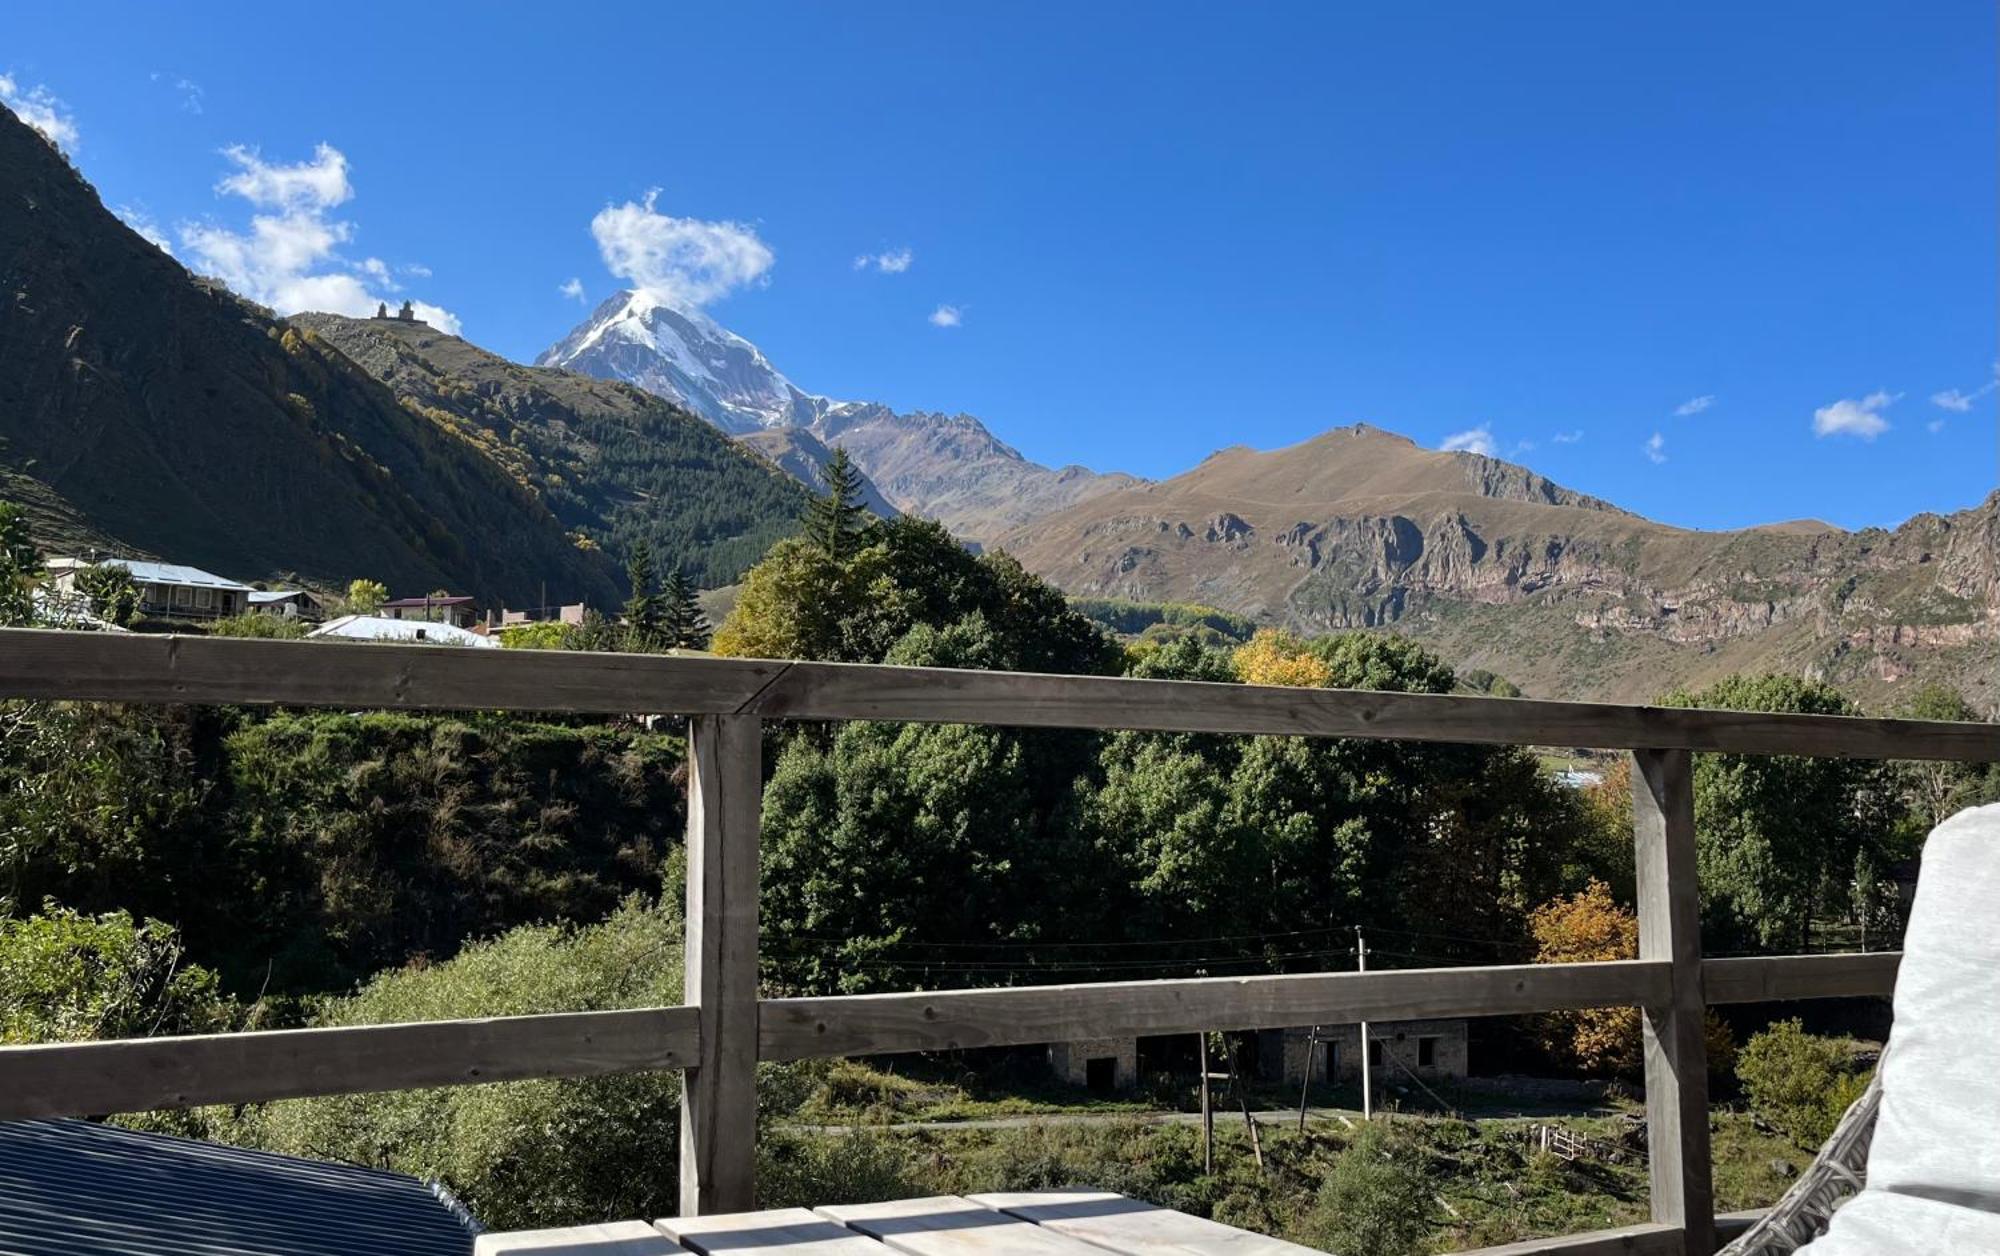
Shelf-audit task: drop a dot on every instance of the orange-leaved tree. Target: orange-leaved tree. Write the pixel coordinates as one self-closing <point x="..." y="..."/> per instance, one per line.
<point x="1590" y="927"/>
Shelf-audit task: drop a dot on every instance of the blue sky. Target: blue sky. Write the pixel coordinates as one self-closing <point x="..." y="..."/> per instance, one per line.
<point x="1164" y="228"/>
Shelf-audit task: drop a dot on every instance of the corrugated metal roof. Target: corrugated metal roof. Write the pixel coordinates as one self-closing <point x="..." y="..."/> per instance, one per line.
<point x="382" y="628"/>
<point x="417" y="603"/>
<point x="145" y="572"/>
<point x="72" y="1188"/>
<point x="263" y="597"/>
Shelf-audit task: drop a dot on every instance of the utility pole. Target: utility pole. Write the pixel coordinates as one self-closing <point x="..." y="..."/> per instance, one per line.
<point x="1207" y="1110"/>
<point x="1312" y="1054"/>
<point x="1367" y="1083"/>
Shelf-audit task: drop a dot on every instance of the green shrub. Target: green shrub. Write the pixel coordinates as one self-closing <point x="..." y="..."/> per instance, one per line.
<point x="1798" y="1083"/>
<point x="520" y="1154"/>
<point x="67" y="977"/>
<point x="277" y="627"/>
<point x="1375" y="1202"/>
<point x="805" y="1170"/>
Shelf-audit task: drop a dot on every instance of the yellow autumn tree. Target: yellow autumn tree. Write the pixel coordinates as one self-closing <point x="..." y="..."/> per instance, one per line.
<point x="1586" y="928"/>
<point x="1591" y="927"/>
<point x="1276" y="657"/>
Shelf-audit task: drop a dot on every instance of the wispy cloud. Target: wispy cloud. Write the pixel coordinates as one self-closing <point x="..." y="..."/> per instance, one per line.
<point x="683" y="261"/>
<point x="290" y="257"/>
<point x="1958" y="401"/>
<point x="571" y="288"/>
<point x="1694" y="405"/>
<point x="187" y="89"/>
<point x="1568" y="438"/>
<point x="947" y="316"/>
<point x="1934" y="426"/>
<point x="887" y="262"/>
<point x="1474" y="440"/>
<point x="38" y="107"/>
<point x="1861" y="418"/>
<point x="1655" y="448"/>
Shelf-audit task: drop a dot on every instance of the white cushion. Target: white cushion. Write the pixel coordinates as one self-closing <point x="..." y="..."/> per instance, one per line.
<point x="1934" y="1167"/>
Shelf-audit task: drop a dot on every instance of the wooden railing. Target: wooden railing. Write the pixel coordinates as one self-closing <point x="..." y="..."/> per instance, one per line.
<point x="724" y="1029"/>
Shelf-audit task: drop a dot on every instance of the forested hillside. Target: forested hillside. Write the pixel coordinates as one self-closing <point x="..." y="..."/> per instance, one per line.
<point x="614" y="463"/>
<point x="181" y="421"/>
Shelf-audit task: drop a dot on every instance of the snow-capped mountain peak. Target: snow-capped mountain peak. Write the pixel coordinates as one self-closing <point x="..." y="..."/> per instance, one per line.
<point x="684" y="355"/>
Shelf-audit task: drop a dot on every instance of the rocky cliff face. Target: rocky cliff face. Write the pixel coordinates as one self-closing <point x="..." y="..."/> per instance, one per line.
<point x="1562" y="593"/>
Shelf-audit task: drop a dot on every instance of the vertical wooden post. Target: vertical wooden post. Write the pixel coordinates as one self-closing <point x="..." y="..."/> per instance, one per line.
<point x="719" y="1094"/>
<point x="1676" y="1054"/>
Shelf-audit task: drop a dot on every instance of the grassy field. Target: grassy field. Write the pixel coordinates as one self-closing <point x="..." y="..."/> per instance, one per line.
<point x="1486" y="1180"/>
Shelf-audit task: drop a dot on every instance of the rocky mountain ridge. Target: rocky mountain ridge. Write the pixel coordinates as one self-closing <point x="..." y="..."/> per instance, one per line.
<point x="949" y="467"/>
<point x="1564" y="594"/>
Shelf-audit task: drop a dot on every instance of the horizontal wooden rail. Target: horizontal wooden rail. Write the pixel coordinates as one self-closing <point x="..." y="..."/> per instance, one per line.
<point x="141" y="668"/>
<point x="140" y="1074"/>
<point x="869" y="1024"/>
<point x="1631" y="1240"/>
<point x="1771" y="978"/>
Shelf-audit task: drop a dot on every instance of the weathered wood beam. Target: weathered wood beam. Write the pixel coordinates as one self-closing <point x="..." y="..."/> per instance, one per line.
<point x="1676" y="1051"/>
<point x="869" y="1024"/>
<point x="138" y="668"/>
<point x="1631" y="1240"/>
<point x="836" y="691"/>
<point x="135" y="667"/>
<point x="1772" y="978"/>
<point x="141" y="1074"/>
<point x="719" y="1094"/>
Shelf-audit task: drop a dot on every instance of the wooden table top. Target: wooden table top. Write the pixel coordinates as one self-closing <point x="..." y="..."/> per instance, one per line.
<point x="1031" y="1223"/>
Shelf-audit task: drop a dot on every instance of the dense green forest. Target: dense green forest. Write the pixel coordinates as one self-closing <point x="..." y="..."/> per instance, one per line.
<point x="615" y="465"/>
<point x="173" y="869"/>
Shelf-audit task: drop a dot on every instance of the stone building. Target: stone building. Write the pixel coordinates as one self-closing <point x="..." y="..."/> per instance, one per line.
<point x="1099" y="1063"/>
<point x="1431" y="1050"/>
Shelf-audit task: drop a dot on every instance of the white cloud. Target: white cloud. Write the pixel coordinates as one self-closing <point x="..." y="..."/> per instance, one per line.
<point x="682" y="261"/>
<point x="1655" y="448"/>
<point x="290" y="257"/>
<point x="888" y="262"/>
<point x="1694" y="405"/>
<point x="1934" y="426"/>
<point x="1958" y="401"/>
<point x="947" y="316"/>
<point x="1477" y="440"/>
<point x="1568" y="438"/>
<point x="191" y="94"/>
<point x="571" y="288"/>
<point x="1861" y="418"/>
<point x="142" y="222"/>
<point x="1521" y="447"/>
<point x="38" y="107"/>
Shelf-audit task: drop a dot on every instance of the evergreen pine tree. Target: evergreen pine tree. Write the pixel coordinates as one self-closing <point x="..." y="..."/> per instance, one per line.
<point x="834" y="521"/>
<point x="686" y="626"/>
<point x="20" y="563"/>
<point x="645" y="610"/>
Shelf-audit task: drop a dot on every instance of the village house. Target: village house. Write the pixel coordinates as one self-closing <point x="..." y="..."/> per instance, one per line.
<point x="166" y="590"/>
<point x="286" y="604"/>
<point x="1428" y="1050"/>
<point x="438" y="608"/>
